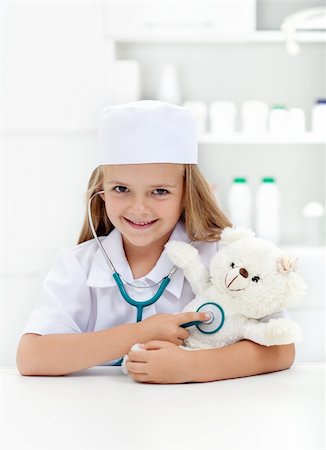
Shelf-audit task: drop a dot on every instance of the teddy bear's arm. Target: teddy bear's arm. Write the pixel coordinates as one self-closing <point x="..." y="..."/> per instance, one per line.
<point x="274" y="332"/>
<point x="186" y="257"/>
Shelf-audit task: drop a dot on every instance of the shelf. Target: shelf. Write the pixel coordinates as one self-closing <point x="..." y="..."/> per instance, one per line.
<point x="241" y="138"/>
<point x="31" y="131"/>
<point x="206" y="138"/>
<point x="209" y="36"/>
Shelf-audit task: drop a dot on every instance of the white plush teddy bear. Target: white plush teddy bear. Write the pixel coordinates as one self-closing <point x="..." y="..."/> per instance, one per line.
<point x="249" y="278"/>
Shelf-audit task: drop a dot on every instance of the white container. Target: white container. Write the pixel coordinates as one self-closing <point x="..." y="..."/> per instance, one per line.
<point x="278" y="120"/>
<point x="254" y="116"/>
<point x="313" y="223"/>
<point x="267" y="223"/>
<point x="132" y="17"/>
<point x="222" y="117"/>
<point x="125" y="82"/>
<point x="318" y="117"/>
<point x="169" y="90"/>
<point x="296" y="121"/>
<point x="199" y="111"/>
<point x="240" y="203"/>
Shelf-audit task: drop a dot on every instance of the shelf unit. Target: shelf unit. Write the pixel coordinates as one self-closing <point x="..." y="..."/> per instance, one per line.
<point x="209" y="36"/>
<point x="204" y="54"/>
<point x="242" y="138"/>
<point x="206" y="138"/>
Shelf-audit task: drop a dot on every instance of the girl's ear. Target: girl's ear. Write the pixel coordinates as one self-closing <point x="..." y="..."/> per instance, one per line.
<point x="102" y="196"/>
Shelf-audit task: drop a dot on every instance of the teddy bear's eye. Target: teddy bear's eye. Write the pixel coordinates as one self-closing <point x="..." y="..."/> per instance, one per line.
<point x="255" y="279"/>
<point x="232" y="265"/>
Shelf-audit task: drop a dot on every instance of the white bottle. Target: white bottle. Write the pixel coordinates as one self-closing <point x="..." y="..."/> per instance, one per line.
<point x="199" y="111"/>
<point x="278" y="120"/>
<point x="267" y="224"/>
<point x="254" y="117"/>
<point x="297" y="121"/>
<point x="318" y="117"/>
<point x="169" y="90"/>
<point x="239" y="203"/>
<point x="313" y="215"/>
<point x="222" y="116"/>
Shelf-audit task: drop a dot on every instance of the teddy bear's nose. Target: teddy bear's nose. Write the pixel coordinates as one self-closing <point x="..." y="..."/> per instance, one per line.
<point x="243" y="272"/>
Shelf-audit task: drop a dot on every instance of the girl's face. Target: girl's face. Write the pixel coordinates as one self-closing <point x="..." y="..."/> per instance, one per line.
<point x="144" y="201"/>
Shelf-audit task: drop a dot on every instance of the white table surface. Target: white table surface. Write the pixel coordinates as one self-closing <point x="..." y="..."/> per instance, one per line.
<point x="100" y="408"/>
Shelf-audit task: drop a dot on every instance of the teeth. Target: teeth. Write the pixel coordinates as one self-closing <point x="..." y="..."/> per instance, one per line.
<point x="141" y="223"/>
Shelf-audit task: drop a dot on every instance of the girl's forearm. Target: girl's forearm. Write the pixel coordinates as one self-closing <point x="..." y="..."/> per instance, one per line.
<point x="60" y="354"/>
<point x="241" y="359"/>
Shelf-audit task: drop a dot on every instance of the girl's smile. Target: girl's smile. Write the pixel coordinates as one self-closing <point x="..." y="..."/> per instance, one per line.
<point x="140" y="225"/>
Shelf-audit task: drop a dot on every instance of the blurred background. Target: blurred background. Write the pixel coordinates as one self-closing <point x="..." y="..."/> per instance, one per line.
<point x="252" y="72"/>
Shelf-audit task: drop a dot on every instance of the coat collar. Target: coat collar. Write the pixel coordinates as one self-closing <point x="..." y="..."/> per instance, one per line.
<point x="100" y="274"/>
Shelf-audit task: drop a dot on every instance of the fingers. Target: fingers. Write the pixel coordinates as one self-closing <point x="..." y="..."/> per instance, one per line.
<point x="183" y="334"/>
<point x="191" y="316"/>
<point x="137" y="363"/>
<point x="136" y="367"/>
<point x="156" y="345"/>
<point x="137" y="356"/>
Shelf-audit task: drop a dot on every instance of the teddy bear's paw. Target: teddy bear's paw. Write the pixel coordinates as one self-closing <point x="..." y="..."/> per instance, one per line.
<point x="180" y="253"/>
<point x="282" y="332"/>
<point x="135" y="348"/>
<point x="124" y="365"/>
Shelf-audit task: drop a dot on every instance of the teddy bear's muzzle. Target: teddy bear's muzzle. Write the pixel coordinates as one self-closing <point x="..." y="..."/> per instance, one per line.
<point x="237" y="279"/>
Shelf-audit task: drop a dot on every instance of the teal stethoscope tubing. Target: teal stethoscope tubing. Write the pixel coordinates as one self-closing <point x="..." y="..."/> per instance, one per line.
<point x="140" y="305"/>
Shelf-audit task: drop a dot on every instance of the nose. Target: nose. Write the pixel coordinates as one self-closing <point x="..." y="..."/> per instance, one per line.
<point x="243" y="272"/>
<point x="139" y="206"/>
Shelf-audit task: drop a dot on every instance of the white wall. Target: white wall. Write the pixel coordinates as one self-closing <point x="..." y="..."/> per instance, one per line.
<point x="54" y="81"/>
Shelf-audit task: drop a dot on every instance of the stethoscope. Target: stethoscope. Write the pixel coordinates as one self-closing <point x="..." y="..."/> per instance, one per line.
<point x="209" y="326"/>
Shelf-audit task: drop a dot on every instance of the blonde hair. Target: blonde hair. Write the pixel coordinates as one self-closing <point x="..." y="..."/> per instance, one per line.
<point x="203" y="219"/>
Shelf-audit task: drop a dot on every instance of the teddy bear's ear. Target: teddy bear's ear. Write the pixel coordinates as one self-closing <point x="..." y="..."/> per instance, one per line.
<point x="286" y="264"/>
<point x="231" y="234"/>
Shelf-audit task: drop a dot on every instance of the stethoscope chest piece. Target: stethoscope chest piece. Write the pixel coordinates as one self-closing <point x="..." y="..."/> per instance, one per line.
<point x="216" y="321"/>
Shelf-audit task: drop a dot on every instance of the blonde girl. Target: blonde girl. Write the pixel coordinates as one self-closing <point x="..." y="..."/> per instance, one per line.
<point x="149" y="190"/>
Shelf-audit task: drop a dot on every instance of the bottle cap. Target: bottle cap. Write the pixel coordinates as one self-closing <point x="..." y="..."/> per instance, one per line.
<point x="278" y="106"/>
<point x="268" y="180"/>
<point x="239" y="180"/>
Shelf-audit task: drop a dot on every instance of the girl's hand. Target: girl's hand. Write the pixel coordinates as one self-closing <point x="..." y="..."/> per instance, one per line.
<point x="167" y="327"/>
<point x="162" y="362"/>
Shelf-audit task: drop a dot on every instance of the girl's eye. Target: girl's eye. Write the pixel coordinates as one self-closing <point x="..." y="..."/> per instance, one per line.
<point x="120" y="189"/>
<point x="160" y="191"/>
<point x="255" y="279"/>
<point x="232" y="265"/>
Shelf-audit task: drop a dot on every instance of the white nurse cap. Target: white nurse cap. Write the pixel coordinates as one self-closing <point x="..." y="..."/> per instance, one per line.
<point x="146" y="131"/>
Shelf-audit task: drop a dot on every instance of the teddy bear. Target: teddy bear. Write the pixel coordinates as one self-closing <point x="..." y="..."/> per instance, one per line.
<point x="249" y="278"/>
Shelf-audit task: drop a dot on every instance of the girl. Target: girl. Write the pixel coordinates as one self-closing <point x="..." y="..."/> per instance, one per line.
<point x="145" y="189"/>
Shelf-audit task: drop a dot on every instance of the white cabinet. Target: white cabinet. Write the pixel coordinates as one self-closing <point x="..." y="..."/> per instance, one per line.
<point x="180" y="16"/>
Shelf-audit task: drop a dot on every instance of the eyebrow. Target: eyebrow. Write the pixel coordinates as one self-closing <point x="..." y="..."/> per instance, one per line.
<point x="121" y="183"/>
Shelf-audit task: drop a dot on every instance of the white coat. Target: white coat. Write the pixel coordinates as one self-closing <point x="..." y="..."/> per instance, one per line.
<point x="79" y="293"/>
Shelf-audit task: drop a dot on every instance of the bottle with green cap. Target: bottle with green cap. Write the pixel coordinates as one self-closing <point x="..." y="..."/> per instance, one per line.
<point x="278" y="119"/>
<point x="267" y="220"/>
<point x="240" y="202"/>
